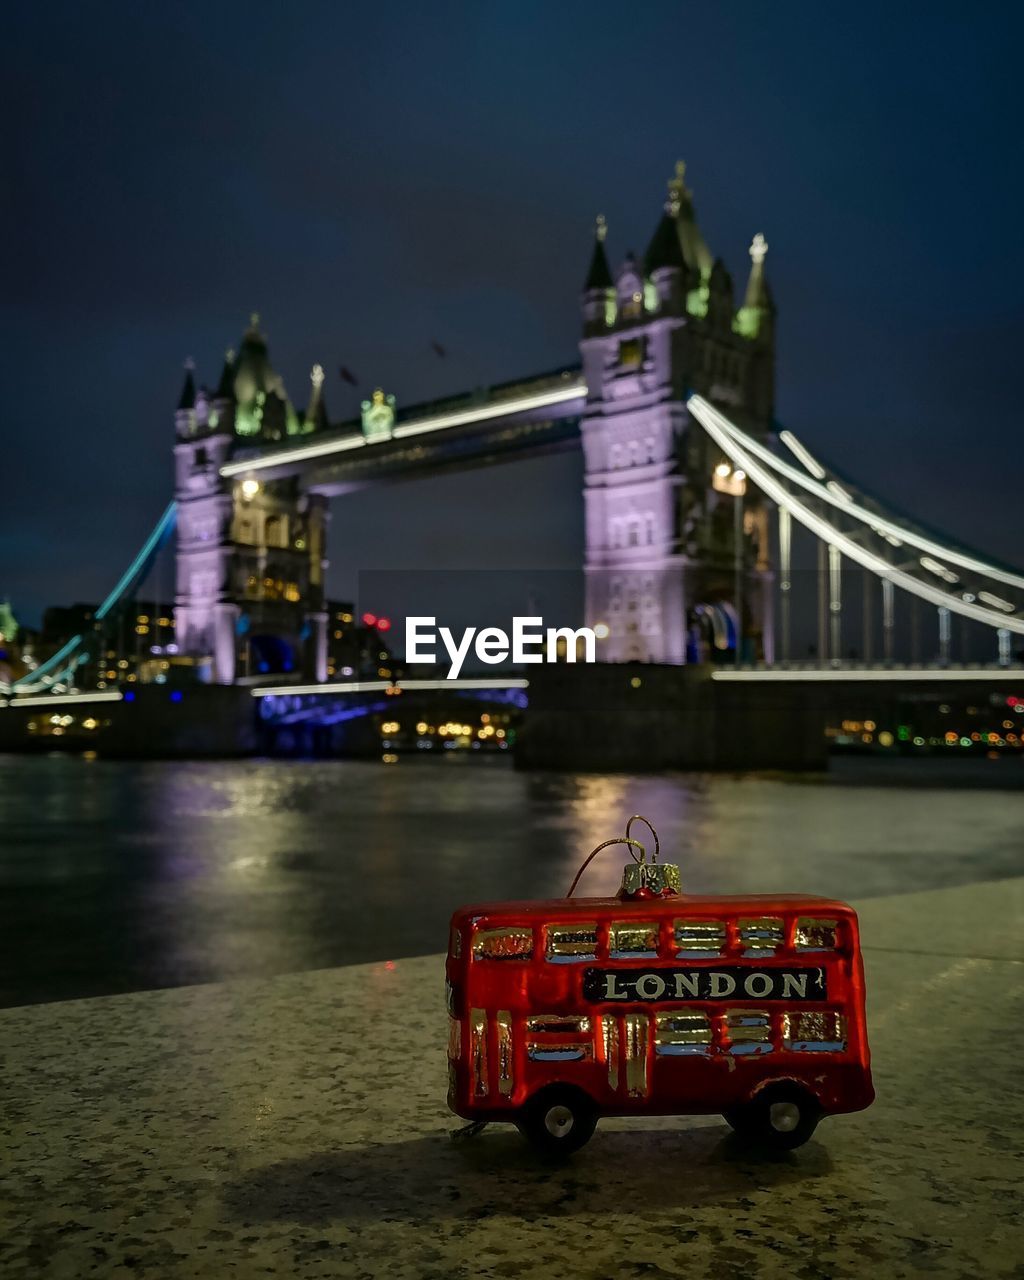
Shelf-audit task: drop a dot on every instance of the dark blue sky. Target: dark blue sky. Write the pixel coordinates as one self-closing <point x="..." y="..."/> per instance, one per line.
<point x="373" y="177"/>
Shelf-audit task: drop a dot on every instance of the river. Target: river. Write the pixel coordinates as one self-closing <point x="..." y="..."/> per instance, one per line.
<point x="122" y="876"/>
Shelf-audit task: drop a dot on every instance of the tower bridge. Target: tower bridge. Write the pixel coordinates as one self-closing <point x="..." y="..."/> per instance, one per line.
<point x="694" y="497"/>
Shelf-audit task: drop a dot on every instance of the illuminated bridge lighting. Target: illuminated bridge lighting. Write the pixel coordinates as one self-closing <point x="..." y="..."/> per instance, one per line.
<point x="61" y="699"/>
<point x="939" y="570"/>
<point x="996" y="601"/>
<point x="798" y="451"/>
<point x="744" y="452"/>
<point x="438" y="422"/>
<point x="377" y="686"/>
<point x="55" y="668"/>
<point x="895" y="534"/>
<point x="780" y="675"/>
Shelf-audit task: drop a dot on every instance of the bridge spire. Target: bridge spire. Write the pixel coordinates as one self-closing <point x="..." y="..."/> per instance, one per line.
<point x="665" y="251"/>
<point x="315" y="418"/>
<point x="226" y="385"/>
<point x="599" y="276"/>
<point x="188" y="391"/>
<point x="679" y="206"/>
<point x="758" y="307"/>
<point x="598" y="288"/>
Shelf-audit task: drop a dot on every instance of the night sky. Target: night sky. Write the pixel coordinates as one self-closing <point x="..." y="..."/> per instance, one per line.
<point x="373" y="178"/>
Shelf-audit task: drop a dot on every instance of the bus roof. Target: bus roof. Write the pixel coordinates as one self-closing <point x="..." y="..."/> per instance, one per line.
<point x="710" y="905"/>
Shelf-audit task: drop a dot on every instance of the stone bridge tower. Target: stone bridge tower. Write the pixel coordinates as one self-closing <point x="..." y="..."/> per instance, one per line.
<point x="677" y="548"/>
<point x="250" y="553"/>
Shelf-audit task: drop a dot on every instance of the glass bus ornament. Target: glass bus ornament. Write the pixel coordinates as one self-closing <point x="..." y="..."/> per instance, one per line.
<point x="656" y="1002"/>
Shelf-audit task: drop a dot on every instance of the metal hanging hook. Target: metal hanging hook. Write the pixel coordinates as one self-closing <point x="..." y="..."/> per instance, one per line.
<point x="626" y="840"/>
<point x="639" y="817"/>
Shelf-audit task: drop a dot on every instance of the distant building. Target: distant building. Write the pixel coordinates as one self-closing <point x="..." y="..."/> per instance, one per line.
<point x="357" y="649"/>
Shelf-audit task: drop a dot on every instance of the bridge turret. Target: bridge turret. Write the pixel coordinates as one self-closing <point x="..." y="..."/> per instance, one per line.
<point x="262" y="407"/>
<point x="664" y="263"/>
<point x="720" y="298"/>
<point x="223" y="400"/>
<point x="315" y="417"/>
<point x="662" y="544"/>
<point x="756" y="317"/>
<point x="598" y="288"/>
<point x="695" y="250"/>
<point x="755" y="321"/>
<point x="185" y="413"/>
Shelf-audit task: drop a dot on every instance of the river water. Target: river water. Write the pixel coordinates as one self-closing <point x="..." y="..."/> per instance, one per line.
<point x="121" y="876"/>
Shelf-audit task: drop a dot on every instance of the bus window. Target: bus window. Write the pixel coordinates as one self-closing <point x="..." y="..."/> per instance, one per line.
<point x="455" y="946"/>
<point x="561" y="1047"/>
<point x="478" y="1051"/>
<point x="564" y="1024"/>
<point x="821" y="1031"/>
<point x="761" y="936"/>
<point x="503" y="944"/>
<point x="676" y="1034"/>
<point x="628" y="940"/>
<point x="749" y="1031"/>
<point x="815" y="935"/>
<point x="699" y="939"/>
<point x="504" y="1023"/>
<point x="570" y="943"/>
<point x="541" y="1051"/>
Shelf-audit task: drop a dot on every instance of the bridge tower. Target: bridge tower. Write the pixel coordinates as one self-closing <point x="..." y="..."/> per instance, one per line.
<point x="250" y="554"/>
<point x="677" y="551"/>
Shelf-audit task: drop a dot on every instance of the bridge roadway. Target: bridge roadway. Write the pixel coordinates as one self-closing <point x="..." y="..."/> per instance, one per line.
<point x="605" y="716"/>
<point x="515" y="420"/>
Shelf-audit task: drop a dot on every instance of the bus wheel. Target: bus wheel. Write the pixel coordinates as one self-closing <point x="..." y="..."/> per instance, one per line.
<point x="558" y="1120"/>
<point x="780" y="1117"/>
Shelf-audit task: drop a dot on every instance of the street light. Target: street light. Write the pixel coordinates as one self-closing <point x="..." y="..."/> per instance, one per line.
<point x="734" y="483"/>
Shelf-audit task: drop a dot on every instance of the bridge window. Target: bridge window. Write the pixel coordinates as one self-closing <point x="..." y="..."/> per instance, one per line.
<point x="631" y="352"/>
<point x="276" y="534"/>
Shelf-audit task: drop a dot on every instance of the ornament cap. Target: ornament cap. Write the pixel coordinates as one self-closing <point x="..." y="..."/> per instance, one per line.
<point x="649" y="880"/>
<point x="643" y="879"/>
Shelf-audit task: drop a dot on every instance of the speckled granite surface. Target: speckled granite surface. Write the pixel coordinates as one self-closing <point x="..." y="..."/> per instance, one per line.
<point x="296" y="1127"/>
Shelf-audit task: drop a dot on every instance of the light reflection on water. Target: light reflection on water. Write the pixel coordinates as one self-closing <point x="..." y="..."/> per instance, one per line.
<point x="126" y="875"/>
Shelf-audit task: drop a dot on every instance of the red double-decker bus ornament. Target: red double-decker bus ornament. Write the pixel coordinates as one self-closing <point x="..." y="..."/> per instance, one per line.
<point x="656" y="1002"/>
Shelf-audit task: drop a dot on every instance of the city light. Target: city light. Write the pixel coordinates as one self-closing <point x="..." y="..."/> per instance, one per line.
<point x="59" y="699"/>
<point x="378" y="686"/>
<point x="895" y="534"/>
<point x="798" y="451"/>
<point x="742" y="450"/>
<point x="782" y="675"/>
<point x="438" y="422"/>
